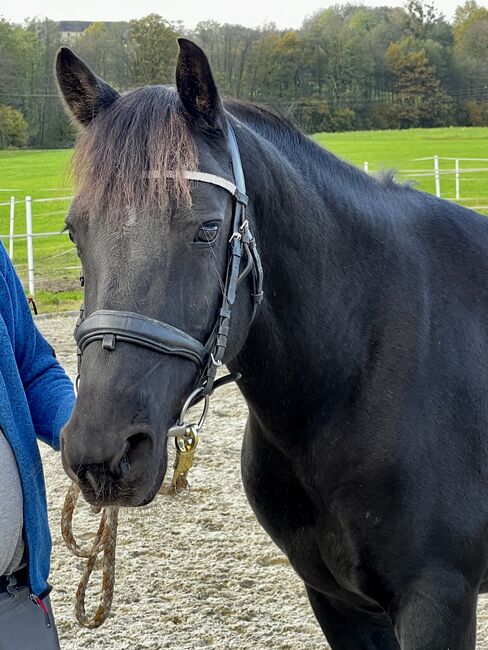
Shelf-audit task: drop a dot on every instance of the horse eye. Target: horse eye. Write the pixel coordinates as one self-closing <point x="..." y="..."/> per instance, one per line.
<point x="78" y="252"/>
<point x="207" y="233"/>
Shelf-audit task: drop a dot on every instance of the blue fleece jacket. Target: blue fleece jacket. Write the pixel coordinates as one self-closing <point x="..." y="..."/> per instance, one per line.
<point x="36" y="399"/>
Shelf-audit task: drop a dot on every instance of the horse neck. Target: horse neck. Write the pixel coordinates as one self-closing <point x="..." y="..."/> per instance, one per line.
<point x="307" y="343"/>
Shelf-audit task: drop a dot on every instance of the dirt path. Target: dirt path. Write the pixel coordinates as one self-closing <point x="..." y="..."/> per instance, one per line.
<point x="195" y="572"/>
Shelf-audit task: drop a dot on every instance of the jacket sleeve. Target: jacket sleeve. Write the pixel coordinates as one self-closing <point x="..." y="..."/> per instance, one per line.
<point x="49" y="390"/>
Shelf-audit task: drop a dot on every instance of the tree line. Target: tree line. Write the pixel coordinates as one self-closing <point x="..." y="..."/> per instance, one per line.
<point x="347" y="67"/>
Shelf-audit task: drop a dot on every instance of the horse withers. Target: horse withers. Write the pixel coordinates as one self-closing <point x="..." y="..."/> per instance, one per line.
<point x="364" y="368"/>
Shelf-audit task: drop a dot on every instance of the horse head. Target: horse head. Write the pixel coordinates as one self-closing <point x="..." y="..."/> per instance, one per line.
<point x="156" y="205"/>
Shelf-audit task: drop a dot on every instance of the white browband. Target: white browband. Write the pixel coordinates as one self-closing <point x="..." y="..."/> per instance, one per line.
<point x="202" y="177"/>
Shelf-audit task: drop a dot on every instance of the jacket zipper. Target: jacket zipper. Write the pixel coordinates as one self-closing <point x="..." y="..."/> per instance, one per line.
<point x="35" y="599"/>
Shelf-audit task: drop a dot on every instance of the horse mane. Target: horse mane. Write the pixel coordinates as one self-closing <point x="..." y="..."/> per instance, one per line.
<point x="283" y="130"/>
<point x="270" y="122"/>
<point x="143" y="131"/>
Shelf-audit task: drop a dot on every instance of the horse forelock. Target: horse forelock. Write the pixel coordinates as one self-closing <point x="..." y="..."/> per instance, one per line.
<point x="123" y="157"/>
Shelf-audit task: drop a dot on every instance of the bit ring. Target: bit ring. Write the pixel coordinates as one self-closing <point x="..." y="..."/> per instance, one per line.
<point x="179" y="428"/>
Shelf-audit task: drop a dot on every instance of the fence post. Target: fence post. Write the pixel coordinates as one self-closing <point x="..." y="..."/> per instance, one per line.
<point x="437" y="177"/>
<point x="366" y="167"/>
<point x="458" y="192"/>
<point x="12" y="228"/>
<point x="30" y="251"/>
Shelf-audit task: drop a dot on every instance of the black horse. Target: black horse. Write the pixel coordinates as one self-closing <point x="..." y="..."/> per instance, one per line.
<point x="365" y="368"/>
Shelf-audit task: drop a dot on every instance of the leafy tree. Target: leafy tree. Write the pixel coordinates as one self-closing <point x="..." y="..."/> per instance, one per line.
<point x="422" y="19"/>
<point x="471" y="31"/>
<point x="152" y="50"/>
<point x="105" y="47"/>
<point x="471" y="51"/>
<point x="45" y="115"/>
<point x="262" y="68"/>
<point x="419" y="97"/>
<point x="13" y="128"/>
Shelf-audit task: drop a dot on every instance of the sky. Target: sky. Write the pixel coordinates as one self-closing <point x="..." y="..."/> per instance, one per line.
<point x="251" y="13"/>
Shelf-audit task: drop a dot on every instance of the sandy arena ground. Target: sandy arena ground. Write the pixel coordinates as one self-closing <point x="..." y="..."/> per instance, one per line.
<point x="192" y="573"/>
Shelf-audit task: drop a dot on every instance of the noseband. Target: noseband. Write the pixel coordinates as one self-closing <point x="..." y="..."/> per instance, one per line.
<point x="111" y="326"/>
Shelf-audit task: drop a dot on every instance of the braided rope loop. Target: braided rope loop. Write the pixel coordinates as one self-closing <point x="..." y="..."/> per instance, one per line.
<point x="105" y="542"/>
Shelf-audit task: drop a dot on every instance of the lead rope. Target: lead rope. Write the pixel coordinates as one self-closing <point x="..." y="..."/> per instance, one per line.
<point x="105" y="541"/>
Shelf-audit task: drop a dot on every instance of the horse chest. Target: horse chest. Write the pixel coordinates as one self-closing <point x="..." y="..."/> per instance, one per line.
<point x="315" y="543"/>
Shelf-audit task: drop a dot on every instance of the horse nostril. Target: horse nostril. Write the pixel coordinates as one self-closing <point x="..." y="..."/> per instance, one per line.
<point x="124" y="468"/>
<point x="137" y="447"/>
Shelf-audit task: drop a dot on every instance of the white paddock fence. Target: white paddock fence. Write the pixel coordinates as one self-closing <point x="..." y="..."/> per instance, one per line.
<point x="458" y="170"/>
<point x="29" y="235"/>
<point x="437" y="173"/>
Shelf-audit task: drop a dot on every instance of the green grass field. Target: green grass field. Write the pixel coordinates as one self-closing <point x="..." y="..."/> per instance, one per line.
<point x="44" y="175"/>
<point x="398" y="150"/>
<point x="41" y="175"/>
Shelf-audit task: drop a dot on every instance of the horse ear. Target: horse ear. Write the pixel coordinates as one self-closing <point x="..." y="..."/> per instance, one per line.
<point x="196" y="86"/>
<point x="85" y="95"/>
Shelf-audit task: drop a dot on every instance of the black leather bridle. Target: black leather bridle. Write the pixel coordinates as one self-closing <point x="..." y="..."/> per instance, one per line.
<point x="111" y="326"/>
